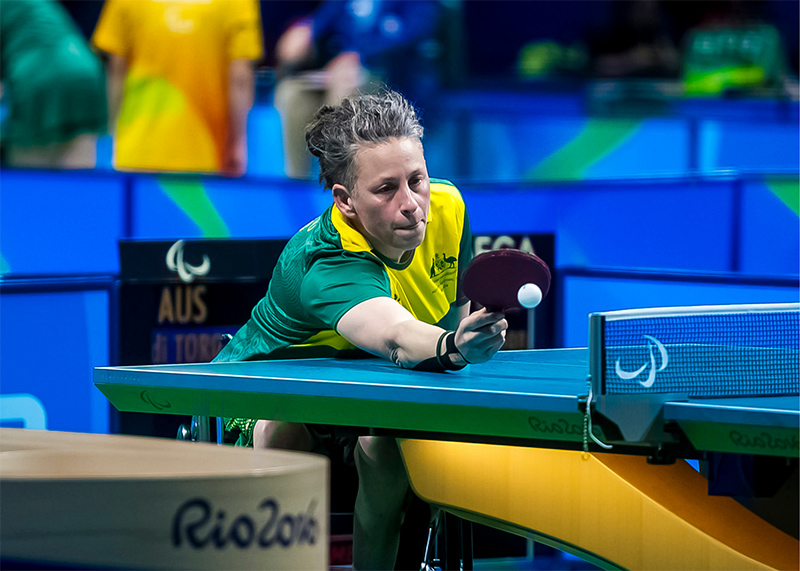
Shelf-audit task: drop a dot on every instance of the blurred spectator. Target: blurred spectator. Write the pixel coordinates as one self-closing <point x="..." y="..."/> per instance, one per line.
<point x="52" y="88"/>
<point x="732" y="48"/>
<point x="351" y="45"/>
<point x="639" y="43"/>
<point x="180" y="82"/>
<point x="548" y="59"/>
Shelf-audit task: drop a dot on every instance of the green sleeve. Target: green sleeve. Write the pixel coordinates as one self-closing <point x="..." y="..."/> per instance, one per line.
<point x="336" y="284"/>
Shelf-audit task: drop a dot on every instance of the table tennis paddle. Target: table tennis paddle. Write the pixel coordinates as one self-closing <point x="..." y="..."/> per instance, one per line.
<point x="506" y="280"/>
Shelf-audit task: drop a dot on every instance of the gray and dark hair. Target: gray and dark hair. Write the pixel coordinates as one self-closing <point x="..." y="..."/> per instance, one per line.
<point x="337" y="132"/>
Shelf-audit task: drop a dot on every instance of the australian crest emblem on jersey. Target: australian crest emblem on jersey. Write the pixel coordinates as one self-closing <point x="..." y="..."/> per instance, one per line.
<point x="444" y="270"/>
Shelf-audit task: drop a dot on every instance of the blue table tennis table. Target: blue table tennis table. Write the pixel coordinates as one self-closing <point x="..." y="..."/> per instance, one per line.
<point x="520" y="397"/>
<point x="532" y="397"/>
<point x="659" y="383"/>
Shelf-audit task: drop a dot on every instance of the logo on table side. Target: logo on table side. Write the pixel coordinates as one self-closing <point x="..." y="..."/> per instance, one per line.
<point x="651" y="377"/>
<point x="554" y="426"/>
<point x="186" y="271"/>
<point x="147" y="398"/>
<point x="764" y="440"/>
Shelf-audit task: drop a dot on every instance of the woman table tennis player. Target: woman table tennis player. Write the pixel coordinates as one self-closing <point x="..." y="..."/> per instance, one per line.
<point x="377" y="271"/>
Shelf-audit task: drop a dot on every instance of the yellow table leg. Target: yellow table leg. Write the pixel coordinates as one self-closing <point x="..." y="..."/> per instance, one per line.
<point x="615" y="507"/>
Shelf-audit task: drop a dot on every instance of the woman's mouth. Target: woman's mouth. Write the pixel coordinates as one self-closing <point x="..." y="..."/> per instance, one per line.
<point x="411" y="227"/>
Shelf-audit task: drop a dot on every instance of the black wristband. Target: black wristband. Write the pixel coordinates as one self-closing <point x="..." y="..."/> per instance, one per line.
<point x="451" y="358"/>
<point x="434" y="364"/>
<point x="448" y="357"/>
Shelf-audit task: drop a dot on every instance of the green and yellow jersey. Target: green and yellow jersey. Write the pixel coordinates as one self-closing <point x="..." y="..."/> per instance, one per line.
<point x="328" y="268"/>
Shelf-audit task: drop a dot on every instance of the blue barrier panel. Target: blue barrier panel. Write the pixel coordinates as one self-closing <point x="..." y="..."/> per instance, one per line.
<point x="214" y="207"/>
<point x="53" y="334"/>
<point x="657" y="147"/>
<point x="758" y="110"/>
<point x="502" y="147"/>
<point x="264" y="142"/>
<point x="587" y="291"/>
<point x="683" y="223"/>
<point x="679" y="224"/>
<point x="770" y="226"/>
<point x="506" y="147"/>
<point x="748" y="146"/>
<point x="69" y="223"/>
<point x="559" y="104"/>
<point x="54" y="222"/>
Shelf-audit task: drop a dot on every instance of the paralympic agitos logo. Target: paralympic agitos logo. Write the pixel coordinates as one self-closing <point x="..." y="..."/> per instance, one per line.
<point x="651" y="363"/>
<point x="185" y="270"/>
<point x="197" y="525"/>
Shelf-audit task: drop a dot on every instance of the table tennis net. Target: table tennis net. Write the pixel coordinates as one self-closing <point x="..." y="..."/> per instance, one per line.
<point x="749" y="353"/>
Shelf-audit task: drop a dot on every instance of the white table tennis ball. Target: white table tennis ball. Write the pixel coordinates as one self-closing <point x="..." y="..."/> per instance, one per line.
<point x="529" y="296"/>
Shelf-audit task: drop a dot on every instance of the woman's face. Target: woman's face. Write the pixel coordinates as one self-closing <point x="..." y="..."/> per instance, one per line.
<point x="389" y="201"/>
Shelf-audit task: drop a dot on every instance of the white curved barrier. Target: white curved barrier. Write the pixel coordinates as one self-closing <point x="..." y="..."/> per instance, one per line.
<point x="129" y="502"/>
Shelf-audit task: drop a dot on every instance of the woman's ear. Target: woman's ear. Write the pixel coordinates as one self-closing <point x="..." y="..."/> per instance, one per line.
<point x="344" y="201"/>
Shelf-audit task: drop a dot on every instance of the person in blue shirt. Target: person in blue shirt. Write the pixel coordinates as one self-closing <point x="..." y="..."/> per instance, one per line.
<point x="348" y="46"/>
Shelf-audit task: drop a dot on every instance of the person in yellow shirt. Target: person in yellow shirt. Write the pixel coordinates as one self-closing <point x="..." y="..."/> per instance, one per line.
<point x="180" y="82"/>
